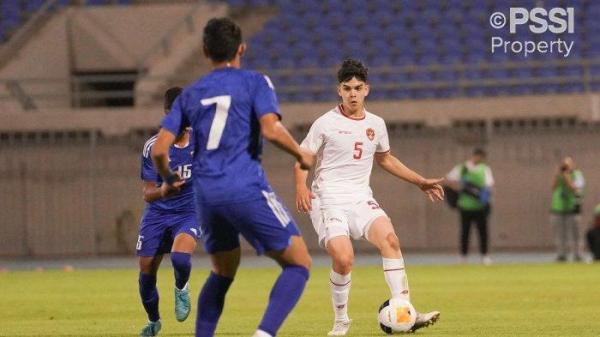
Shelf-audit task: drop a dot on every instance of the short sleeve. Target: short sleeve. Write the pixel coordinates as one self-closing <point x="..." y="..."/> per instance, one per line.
<point x="454" y="174"/>
<point x="175" y="121"/>
<point x="265" y="99"/>
<point x="315" y="138"/>
<point x="148" y="172"/>
<point x="384" y="141"/>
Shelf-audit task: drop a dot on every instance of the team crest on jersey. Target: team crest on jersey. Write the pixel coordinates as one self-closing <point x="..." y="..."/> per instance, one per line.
<point x="370" y="133"/>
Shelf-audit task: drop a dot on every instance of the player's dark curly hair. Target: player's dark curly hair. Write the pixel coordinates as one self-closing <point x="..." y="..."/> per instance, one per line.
<point x="222" y="38"/>
<point x="352" y="68"/>
<point x="170" y="96"/>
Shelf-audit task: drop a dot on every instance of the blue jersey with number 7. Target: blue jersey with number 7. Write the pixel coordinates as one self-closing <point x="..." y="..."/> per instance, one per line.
<point x="223" y="108"/>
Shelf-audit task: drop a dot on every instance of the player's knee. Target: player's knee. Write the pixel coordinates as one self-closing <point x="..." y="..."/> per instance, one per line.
<point x="225" y="271"/>
<point x="344" y="262"/>
<point x="391" y="242"/>
<point x="304" y="261"/>
<point x="148" y="266"/>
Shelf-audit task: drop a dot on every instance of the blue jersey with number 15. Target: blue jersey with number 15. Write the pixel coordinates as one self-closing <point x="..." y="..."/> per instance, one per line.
<point x="223" y="108"/>
<point x="180" y="162"/>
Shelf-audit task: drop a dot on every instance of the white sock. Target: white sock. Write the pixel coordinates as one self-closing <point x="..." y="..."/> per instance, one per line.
<point x="395" y="276"/>
<point x="340" y="289"/>
<point x="260" y="333"/>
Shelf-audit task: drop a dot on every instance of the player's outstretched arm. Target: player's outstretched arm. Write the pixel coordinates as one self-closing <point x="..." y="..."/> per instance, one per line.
<point x="431" y="187"/>
<point x="160" y="159"/>
<point x="303" y="193"/>
<point x="272" y="129"/>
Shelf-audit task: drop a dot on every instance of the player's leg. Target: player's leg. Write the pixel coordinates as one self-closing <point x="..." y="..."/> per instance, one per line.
<point x="295" y="262"/>
<point x="341" y="252"/>
<point x="186" y="233"/>
<point x="221" y="241"/>
<point x="381" y="234"/>
<point x="153" y="242"/>
<point x="267" y="225"/>
<point x="332" y="229"/>
<point x="212" y="296"/>
<point x="149" y="293"/>
<point x="181" y="259"/>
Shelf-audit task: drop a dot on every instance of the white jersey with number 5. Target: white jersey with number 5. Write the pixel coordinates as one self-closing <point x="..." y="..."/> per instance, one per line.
<point x="345" y="148"/>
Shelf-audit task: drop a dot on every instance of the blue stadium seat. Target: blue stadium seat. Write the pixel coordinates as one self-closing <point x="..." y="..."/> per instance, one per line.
<point x="33" y="5"/>
<point x="10" y="13"/>
<point x="399" y="34"/>
<point x="96" y="2"/>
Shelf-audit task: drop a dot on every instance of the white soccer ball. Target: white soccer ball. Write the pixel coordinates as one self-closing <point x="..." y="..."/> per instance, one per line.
<point x="396" y="315"/>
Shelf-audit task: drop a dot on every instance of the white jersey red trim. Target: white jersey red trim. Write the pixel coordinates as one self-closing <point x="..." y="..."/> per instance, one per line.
<point x="345" y="149"/>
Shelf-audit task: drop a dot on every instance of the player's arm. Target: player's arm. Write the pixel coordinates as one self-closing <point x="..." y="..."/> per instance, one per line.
<point x="160" y="158"/>
<point x="152" y="193"/>
<point x="303" y="193"/>
<point x="431" y="187"/>
<point x="272" y="129"/>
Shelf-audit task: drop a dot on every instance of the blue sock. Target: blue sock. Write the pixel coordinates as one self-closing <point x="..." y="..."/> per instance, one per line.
<point x="149" y="295"/>
<point x="182" y="263"/>
<point x="210" y="304"/>
<point x="285" y="294"/>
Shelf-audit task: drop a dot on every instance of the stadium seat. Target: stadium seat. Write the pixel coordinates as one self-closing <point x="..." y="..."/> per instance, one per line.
<point x="399" y="34"/>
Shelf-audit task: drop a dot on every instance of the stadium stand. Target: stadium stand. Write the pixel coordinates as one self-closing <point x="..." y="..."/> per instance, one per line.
<point x="416" y="49"/>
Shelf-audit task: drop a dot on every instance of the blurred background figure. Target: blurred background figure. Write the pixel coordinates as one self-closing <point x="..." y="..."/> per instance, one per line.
<point x="473" y="181"/>
<point x="567" y="194"/>
<point x="593" y="235"/>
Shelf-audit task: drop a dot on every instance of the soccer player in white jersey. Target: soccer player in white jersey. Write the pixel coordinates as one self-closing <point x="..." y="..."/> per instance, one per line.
<point x="340" y="201"/>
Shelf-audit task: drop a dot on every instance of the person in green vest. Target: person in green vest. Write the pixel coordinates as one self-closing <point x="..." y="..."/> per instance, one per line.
<point x="473" y="181"/>
<point x="567" y="193"/>
<point x="593" y="235"/>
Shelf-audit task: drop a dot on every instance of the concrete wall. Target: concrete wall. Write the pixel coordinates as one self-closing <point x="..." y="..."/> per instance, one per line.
<point x="45" y="56"/>
<point x="77" y="195"/>
<point x="115" y="37"/>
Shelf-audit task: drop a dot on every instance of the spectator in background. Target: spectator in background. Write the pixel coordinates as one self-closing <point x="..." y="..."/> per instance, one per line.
<point x="567" y="193"/>
<point x="593" y="235"/>
<point x="473" y="182"/>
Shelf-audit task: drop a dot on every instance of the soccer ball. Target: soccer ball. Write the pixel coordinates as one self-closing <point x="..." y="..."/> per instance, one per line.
<point x="396" y="315"/>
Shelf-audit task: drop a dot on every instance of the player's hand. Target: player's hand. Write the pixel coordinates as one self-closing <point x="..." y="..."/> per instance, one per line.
<point x="304" y="199"/>
<point x="433" y="188"/>
<point x="307" y="159"/>
<point x="168" y="190"/>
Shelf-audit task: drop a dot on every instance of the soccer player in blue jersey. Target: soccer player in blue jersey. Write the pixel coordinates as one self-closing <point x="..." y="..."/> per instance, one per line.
<point x="169" y="225"/>
<point x="229" y="109"/>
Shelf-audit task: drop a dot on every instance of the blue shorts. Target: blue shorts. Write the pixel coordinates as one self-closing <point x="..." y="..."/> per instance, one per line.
<point x="158" y="231"/>
<point x="265" y="223"/>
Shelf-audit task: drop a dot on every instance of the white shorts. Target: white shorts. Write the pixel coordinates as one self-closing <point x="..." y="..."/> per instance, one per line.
<point x="352" y="220"/>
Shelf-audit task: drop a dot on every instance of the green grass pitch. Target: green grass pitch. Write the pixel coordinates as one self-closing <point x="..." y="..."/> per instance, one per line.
<point x="501" y="300"/>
